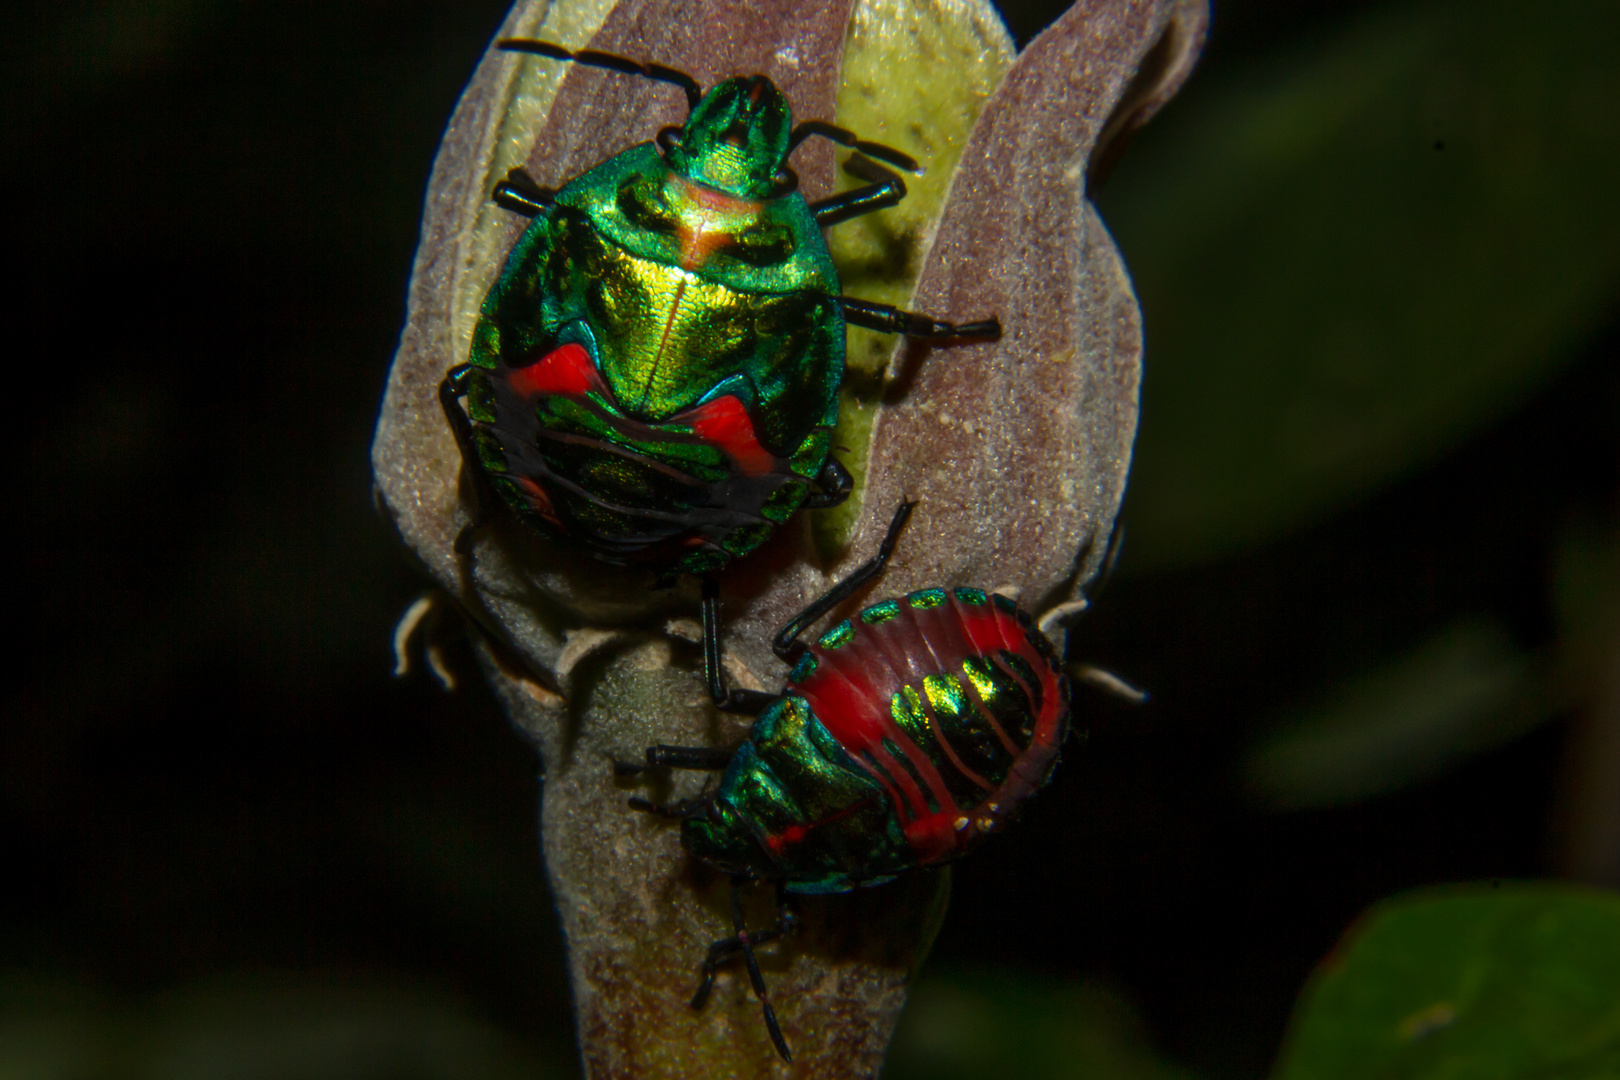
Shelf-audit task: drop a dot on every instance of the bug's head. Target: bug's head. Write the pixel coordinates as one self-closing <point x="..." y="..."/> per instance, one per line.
<point x="736" y="138"/>
<point x="723" y="840"/>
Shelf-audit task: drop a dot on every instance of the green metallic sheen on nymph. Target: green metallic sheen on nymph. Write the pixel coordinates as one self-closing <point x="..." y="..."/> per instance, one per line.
<point x="793" y="772"/>
<point x="790" y="751"/>
<point x="841" y="634"/>
<point x="880" y="612"/>
<point x="685" y="281"/>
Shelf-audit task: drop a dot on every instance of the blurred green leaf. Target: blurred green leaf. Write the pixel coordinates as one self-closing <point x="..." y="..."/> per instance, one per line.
<point x="986" y="1025"/>
<point x="1354" y="258"/>
<point x="1465" y="690"/>
<point x="1481" y="983"/>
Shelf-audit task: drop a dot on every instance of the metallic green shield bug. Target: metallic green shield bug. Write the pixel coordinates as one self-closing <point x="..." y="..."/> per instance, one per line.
<point x="903" y="738"/>
<point x="655" y="373"/>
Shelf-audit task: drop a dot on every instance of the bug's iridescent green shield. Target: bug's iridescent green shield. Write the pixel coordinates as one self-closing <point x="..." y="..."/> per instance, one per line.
<point x="656" y="371"/>
<point x="655" y="374"/>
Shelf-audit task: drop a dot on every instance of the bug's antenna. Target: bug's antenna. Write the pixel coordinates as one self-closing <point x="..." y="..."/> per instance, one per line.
<point x="845" y="137"/>
<point x="621" y="64"/>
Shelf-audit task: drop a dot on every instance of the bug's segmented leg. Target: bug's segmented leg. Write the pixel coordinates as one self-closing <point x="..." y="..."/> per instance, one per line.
<point x="608" y="61"/>
<point x="786" y="644"/>
<point x="746" y="702"/>
<point x="884" y="189"/>
<point x="701" y="758"/>
<point x="845" y="137"/>
<point x="891" y="320"/>
<point x="832" y="486"/>
<point x="680" y="810"/>
<point x="726" y="950"/>
<point x="521" y="195"/>
<point x="450" y="392"/>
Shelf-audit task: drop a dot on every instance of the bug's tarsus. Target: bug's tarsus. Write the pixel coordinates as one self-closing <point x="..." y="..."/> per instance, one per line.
<point x="831" y="486"/>
<point x="786" y="644"/>
<point x="892" y="320"/>
<point x="742" y="944"/>
<point x="845" y="137"/>
<point x="884" y="188"/>
<point x="521" y="195"/>
<point x="608" y="61"/>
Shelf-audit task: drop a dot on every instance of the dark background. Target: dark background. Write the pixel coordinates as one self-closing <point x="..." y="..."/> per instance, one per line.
<point x="233" y="837"/>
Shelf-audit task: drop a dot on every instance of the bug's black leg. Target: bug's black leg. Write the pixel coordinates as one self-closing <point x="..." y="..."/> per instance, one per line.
<point x="521" y="195"/>
<point x="609" y="61"/>
<point x="786" y="644"/>
<point x="450" y="392"/>
<point x="723" y="952"/>
<point x="891" y="320"/>
<point x="885" y="189"/>
<point x="845" y="137"/>
<point x="679" y="810"/>
<point x="747" y="702"/>
<point x="831" y="486"/>
<point x="710" y="758"/>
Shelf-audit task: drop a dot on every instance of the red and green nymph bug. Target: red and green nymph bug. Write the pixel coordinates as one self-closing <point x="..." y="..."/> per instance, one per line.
<point x="903" y="738"/>
<point x="654" y="375"/>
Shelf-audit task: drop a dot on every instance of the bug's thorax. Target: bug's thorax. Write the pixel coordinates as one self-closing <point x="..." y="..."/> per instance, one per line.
<point x="707" y="218"/>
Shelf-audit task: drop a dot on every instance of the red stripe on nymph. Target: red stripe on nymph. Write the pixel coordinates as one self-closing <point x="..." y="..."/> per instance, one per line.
<point x="847" y="693"/>
<point x="566" y="371"/>
<point x="724" y="422"/>
<point x="987" y="628"/>
<point x="851" y="691"/>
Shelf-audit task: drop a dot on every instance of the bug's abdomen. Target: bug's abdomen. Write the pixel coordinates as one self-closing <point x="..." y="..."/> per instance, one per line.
<point x="951" y="701"/>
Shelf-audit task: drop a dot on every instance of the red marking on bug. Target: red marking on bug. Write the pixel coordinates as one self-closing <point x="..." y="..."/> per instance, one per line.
<point x="842" y="696"/>
<point x="793" y="834"/>
<point x="950" y="753"/>
<point x="725" y="423"/>
<point x="850" y="691"/>
<point x="985" y="628"/>
<point x="566" y="371"/>
<point x="538" y="499"/>
<point x="851" y="688"/>
<point x="697" y="233"/>
<point x="934" y="837"/>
